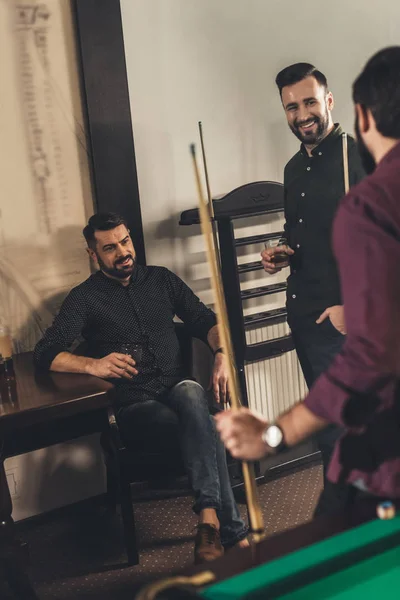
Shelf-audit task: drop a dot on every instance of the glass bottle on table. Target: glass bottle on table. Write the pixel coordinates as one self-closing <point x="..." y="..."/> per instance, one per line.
<point x="6" y="353"/>
<point x="8" y="387"/>
<point x="2" y="378"/>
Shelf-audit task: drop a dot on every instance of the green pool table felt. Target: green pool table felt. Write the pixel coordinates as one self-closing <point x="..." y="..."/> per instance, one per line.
<point x="361" y="563"/>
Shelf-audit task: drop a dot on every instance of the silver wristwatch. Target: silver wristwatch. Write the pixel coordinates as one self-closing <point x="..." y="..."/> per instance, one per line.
<point x="272" y="436"/>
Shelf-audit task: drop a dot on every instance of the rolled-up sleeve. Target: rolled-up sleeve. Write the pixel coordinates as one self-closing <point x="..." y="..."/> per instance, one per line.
<point x="66" y="328"/>
<point x="368" y="254"/>
<point x="188" y="307"/>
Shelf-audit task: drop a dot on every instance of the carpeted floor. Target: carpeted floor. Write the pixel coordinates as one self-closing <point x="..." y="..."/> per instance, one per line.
<point x="78" y="553"/>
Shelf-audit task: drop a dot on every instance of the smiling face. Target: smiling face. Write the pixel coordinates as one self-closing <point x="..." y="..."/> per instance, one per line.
<point x="114" y="253"/>
<point x="308" y="107"/>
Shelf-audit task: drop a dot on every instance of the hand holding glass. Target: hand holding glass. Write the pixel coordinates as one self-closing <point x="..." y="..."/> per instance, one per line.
<point x="280" y="257"/>
<point x="135" y="351"/>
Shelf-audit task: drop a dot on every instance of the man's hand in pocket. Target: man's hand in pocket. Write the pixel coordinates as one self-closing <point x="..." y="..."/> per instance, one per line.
<point x="336" y="315"/>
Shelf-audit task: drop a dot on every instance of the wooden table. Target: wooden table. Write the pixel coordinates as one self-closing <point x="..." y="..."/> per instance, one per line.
<point x="37" y="411"/>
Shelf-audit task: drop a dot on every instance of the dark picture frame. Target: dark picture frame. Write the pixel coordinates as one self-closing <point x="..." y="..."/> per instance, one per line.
<point x="106" y="104"/>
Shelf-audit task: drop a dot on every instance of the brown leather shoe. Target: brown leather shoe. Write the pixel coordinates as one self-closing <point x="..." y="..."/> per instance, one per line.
<point x="207" y="544"/>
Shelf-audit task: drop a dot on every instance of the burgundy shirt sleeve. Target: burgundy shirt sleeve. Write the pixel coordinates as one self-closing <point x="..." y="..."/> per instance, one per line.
<point x="368" y="256"/>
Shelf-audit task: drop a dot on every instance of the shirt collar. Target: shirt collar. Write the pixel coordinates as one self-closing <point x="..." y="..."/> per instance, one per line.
<point x="336" y="132"/>
<point x="135" y="277"/>
<point x="393" y="154"/>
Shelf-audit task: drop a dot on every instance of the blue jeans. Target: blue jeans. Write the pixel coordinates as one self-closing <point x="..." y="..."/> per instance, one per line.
<point x="181" y="416"/>
<point x="316" y="346"/>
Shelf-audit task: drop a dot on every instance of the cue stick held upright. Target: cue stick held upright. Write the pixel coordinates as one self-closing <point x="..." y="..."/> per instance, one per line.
<point x="345" y="163"/>
<point x="210" y="205"/>
<point x="255" y="515"/>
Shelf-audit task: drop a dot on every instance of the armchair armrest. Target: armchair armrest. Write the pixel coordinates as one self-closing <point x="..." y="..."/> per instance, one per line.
<point x="114" y="429"/>
<point x="111" y="440"/>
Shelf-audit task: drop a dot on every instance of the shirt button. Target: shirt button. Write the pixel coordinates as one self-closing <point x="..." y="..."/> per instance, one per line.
<point x="308" y="168"/>
<point x="297" y="245"/>
<point x="293" y="296"/>
<point x="302" y="194"/>
<point x="300" y="220"/>
<point x="319" y="153"/>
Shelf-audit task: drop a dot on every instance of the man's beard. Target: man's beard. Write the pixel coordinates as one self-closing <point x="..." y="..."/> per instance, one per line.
<point x="121" y="273"/>
<point x="311" y="138"/>
<point x="368" y="161"/>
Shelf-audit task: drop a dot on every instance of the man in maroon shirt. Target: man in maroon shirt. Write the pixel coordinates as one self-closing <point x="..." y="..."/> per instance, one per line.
<point x="360" y="391"/>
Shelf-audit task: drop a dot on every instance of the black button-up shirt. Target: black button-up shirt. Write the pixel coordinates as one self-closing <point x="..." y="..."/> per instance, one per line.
<point x="107" y="314"/>
<point x="313" y="187"/>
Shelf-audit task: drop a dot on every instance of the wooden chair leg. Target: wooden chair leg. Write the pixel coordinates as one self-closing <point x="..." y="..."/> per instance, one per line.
<point x="128" y="521"/>
<point x="12" y="554"/>
<point x="112" y="487"/>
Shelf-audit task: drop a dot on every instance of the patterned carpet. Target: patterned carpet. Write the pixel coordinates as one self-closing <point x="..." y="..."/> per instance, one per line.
<point x="78" y="554"/>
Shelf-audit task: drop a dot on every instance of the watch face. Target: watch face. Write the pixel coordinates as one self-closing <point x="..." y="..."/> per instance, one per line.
<point x="273" y="436"/>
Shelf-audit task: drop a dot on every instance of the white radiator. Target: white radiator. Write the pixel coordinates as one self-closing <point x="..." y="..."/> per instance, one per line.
<point x="276" y="384"/>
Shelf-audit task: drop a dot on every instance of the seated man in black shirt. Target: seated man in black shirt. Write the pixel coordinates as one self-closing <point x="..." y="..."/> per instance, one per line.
<point x="124" y="304"/>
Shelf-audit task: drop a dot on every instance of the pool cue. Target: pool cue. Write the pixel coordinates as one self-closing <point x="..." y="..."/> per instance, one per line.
<point x="345" y="163"/>
<point x="209" y="198"/>
<point x="150" y="591"/>
<point x="211" y="208"/>
<point x="255" y="515"/>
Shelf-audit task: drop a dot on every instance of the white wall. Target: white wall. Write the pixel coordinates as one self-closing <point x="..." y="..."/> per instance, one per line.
<point x="215" y="61"/>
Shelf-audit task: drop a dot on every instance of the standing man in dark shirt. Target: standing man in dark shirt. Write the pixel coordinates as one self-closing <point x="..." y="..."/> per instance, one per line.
<point x="157" y="407"/>
<point x="360" y="391"/>
<point x="314" y="183"/>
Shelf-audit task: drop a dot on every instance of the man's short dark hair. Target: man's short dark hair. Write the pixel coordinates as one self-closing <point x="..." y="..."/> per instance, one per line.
<point x="297" y="72"/>
<point x="378" y="88"/>
<point x="101" y="222"/>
